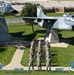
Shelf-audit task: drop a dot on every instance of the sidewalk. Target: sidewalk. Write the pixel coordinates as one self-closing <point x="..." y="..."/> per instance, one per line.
<point x="16" y="60"/>
<point x="52" y="68"/>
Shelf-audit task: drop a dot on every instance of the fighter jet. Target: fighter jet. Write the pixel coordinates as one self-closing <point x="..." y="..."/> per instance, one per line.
<point x="66" y="22"/>
<point x="7" y="9"/>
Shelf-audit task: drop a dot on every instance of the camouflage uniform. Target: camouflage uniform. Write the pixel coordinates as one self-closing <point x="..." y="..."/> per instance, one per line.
<point x="39" y="60"/>
<point x="40" y="46"/>
<point x="31" y="55"/>
<point x="47" y="56"/>
<point x="48" y="62"/>
<point x="39" y="55"/>
<point x="31" y="61"/>
<point x="32" y="48"/>
<point x="47" y="46"/>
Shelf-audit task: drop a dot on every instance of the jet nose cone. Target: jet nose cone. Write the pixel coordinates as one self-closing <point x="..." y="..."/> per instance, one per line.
<point x="14" y="11"/>
<point x="8" y="9"/>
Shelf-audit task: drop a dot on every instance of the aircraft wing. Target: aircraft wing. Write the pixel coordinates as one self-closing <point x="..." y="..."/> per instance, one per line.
<point x="41" y="18"/>
<point x="49" y="18"/>
<point x="41" y="21"/>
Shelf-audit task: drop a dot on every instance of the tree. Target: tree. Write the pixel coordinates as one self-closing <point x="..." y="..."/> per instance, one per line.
<point x="29" y="10"/>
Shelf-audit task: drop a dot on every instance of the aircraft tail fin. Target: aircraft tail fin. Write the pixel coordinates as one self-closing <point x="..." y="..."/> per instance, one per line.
<point x="40" y="12"/>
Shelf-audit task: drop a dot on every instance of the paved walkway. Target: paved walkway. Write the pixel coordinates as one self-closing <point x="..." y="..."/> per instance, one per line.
<point x="52" y="68"/>
<point x="16" y="60"/>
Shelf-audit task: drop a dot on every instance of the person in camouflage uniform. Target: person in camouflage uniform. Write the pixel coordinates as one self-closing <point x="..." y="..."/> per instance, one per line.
<point x="40" y="46"/>
<point x="48" y="56"/>
<point x="31" y="60"/>
<point x="39" y="60"/>
<point x="39" y="55"/>
<point x="32" y="47"/>
<point x="48" y="61"/>
<point x="31" y="55"/>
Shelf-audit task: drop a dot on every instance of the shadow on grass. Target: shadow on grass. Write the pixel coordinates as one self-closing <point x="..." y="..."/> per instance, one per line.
<point x="40" y="31"/>
<point x="54" y="58"/>
<point x="18" y="34"/>
<point x="2" y="49"/>
<point x="31" y="36"/>
<point x="72" y="42"/>
<point x="66" y="40"/>
<point x="28" y="37"/>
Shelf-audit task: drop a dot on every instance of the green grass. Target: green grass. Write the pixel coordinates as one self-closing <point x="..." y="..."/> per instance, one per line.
<point x="10" y="17"/>
<point x="6" y="54"/>
<point x="25" y="31"/>
<point x="51" y="73"/>
<point x="60" y="56"/>
<point x="53" y="14"/>
<point x="35" y="73"/>
<point x="57" y="14"/>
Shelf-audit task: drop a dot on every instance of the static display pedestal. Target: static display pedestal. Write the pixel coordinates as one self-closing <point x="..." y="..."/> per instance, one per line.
<point x="51" y="36"/>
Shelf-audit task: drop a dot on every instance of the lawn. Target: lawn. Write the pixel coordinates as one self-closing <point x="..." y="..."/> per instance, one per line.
<point x="10" y="17"/>
<point x="6" y="54"/>
<point x="58" y="14"/>
<point x="25" y="31"/>
<point x="60" y="56"/>
<point x="35" y="73"/>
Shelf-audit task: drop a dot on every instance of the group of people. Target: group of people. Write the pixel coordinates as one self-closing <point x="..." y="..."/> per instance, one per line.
<point x="39" y="55"/>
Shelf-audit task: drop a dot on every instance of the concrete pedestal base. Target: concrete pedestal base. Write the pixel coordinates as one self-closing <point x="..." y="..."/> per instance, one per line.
<point x="51" y="36"/>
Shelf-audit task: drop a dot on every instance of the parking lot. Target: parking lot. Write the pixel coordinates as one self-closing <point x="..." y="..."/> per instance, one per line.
<point x="47" y="3"/>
